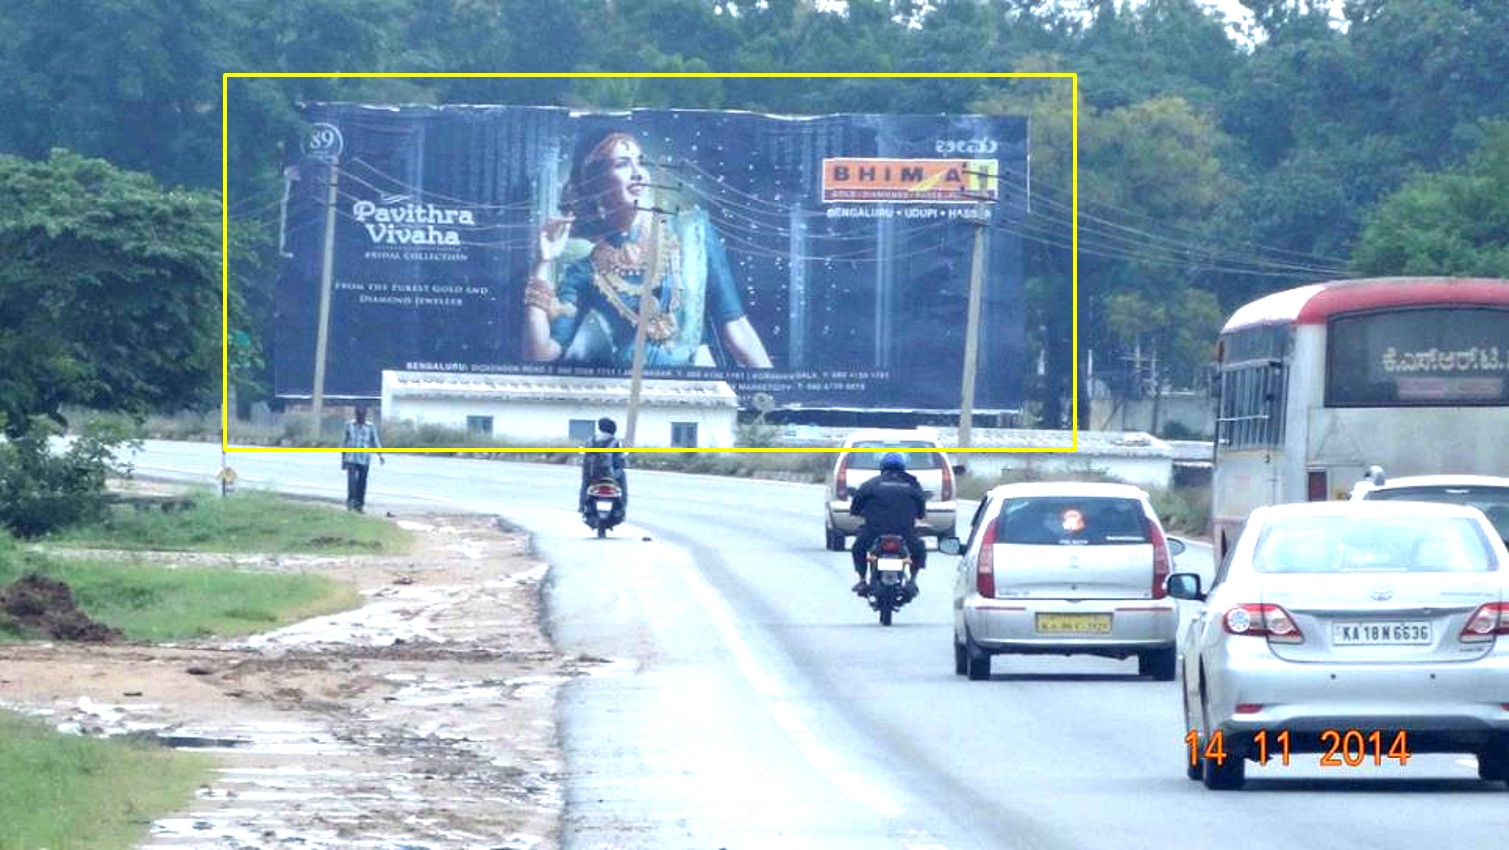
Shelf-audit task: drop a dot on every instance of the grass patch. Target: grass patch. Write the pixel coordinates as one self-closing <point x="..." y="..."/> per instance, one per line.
<point x="63" y="791"/>
<point x="248" y="521"/>
<point x="157" y="604"/>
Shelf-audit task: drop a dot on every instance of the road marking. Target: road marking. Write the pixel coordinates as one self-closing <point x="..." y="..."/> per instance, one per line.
<point x="879" y="799"/>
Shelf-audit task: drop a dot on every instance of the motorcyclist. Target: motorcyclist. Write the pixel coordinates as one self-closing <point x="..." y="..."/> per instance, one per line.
<point x="891" y="503"/>
<point x="599" y="465"/>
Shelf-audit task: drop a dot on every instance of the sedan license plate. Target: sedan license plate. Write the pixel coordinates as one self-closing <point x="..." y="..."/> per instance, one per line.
<point x="1382" y="633"/>
<point x="604" y="505"/>
<point x="1074" y="624"/>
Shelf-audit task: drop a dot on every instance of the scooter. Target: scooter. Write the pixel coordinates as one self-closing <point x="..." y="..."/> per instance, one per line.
<point x="604" y="507"/>
<point x="890" y="562"/>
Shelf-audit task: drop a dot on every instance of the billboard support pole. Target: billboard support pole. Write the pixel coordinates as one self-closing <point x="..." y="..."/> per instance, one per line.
<point x="972" y="328"/>
<point x="327" y="271"/>
<point x="636" y="378"/>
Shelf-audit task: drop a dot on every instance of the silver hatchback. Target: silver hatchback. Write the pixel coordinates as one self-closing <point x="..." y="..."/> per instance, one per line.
<point x="1365" y="630"/>
<point x="1065" y="568"/>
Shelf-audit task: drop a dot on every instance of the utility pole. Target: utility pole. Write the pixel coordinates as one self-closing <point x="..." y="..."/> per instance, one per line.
<point x="646" y="292"/>
<point x="327" y="271"/>
<point x="972" y="327"/>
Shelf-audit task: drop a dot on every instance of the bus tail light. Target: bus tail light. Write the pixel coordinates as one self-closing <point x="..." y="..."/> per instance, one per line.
<point x="1315" y="485"/>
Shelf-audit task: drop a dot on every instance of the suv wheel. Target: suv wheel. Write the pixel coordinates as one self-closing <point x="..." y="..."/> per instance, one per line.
<point x="835" y="540"/>
<point x="1159" y="663"/>
<point x="976" y="661"/>
<point x="1493" y="763"/>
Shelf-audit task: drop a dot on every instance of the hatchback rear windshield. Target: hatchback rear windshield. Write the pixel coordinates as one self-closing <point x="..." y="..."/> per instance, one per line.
<point x="1072" y="521"/>
<point x="1492" y="501"/>
<point x="859" y="459"/>
<point x="1355" y="544"/>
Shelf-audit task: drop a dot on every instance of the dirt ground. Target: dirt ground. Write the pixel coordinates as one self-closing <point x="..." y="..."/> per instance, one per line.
<point x="422" y="720"/>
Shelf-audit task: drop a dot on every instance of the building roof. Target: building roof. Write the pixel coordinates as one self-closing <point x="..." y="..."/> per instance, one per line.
<point x="548" y="388"/>
<point x="1192" y="451"/>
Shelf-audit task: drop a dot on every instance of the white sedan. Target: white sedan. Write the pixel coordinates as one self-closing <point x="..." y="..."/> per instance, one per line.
<point x="1362" y="630"/>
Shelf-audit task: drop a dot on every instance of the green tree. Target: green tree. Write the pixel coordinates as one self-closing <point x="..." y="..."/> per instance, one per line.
<point x="135" y="81"/>
<point x="1149" y="176"/>
<point x="110" y="289"/>
<point x="1454" y="222"/>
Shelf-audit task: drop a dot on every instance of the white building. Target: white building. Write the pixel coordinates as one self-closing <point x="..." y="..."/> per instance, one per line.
<point x="549" y="411"/>
<point x="1132" y="456"/>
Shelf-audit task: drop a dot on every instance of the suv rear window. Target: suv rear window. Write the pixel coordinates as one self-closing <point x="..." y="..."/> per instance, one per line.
<point x="1072" y="521"/>
<point x="1492" y="501"/>
<point x="859" y="459"/>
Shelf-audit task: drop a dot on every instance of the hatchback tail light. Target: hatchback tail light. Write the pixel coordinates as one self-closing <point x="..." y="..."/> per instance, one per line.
<point x="1486" y="623"/>
<point x="985" y="565"/>
<point x="1262" y="619"/>
<point x="841" y="478"/>
<point x="946" y="492"/>
<point x="1161" y="562"/>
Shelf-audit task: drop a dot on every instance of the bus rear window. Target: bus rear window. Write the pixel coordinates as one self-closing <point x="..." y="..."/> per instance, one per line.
<point x="1422" y="357"/>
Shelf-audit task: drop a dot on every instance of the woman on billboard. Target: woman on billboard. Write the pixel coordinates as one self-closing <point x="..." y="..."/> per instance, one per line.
<point x="588" y="314"/>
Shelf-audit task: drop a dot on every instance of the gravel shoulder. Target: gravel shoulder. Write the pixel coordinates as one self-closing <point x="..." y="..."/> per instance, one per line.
<point x="424" y="719"/>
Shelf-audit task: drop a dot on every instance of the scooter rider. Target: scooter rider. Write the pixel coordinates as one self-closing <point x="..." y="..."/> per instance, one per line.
<point x="891" y="503"/>
<point x="598" y="465"/>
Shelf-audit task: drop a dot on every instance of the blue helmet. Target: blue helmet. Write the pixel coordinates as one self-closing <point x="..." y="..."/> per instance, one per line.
<point x="893" y="460"/>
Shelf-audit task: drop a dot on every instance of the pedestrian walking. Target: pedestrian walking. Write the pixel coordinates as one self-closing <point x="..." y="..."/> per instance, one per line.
<point x="360" y="434"/>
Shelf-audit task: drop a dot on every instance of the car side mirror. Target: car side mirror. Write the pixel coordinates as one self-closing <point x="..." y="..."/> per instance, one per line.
<point x="1185" y="586"/>
<point x="1176" y="546"/>
<point x="960" y="469"/>
<point x="950" y="546"/>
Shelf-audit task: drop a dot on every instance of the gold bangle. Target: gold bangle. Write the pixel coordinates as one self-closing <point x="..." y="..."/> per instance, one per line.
<point x="538" y="293"/>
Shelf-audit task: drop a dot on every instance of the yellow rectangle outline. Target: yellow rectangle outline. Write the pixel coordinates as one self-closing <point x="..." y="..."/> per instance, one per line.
<point x="225" y="231"/>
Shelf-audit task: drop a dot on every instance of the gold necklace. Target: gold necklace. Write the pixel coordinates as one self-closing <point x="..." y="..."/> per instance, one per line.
<point x="612" y="262"/>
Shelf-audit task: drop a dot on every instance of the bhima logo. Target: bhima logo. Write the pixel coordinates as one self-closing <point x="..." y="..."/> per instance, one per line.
<point x="909" y="181"/>
<point x="395" y="220"/>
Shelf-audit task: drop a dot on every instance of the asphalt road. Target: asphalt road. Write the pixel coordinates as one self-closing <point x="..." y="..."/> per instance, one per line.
<point x="751" y="702"/>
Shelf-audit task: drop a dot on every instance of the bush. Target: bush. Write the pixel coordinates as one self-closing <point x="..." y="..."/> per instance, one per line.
<point x="1184" y="510"/>
<point x="43" y="490"/>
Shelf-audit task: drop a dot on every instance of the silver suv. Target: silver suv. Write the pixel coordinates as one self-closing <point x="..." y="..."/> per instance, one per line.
<point x="1065" y="568"/>
<point x="861" y="461"/>
<point x="1487" y="493"/>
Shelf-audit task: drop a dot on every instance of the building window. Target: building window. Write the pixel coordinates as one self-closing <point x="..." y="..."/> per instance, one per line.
<point x="581" y="431"/>
<point x="684" y="435"/>
<point x="480" y="425"/>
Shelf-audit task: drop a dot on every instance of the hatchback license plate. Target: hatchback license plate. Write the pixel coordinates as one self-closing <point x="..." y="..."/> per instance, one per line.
<point x="1058" y="624"/>
<point x="1380" y="634"/>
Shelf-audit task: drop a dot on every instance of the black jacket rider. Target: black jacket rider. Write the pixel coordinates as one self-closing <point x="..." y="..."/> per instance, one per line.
<point x="891" y="503"/>
<point x="597" y="465"/>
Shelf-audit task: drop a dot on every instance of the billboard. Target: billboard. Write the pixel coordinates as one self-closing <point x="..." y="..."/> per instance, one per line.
<point x="824" y="260"/>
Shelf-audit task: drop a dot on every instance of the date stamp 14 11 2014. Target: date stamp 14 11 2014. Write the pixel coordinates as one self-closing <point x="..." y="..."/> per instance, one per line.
<point x="1338" y="748"/>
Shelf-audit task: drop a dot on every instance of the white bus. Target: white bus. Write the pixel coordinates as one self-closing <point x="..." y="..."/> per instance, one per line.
<point x="1320" y="382"/>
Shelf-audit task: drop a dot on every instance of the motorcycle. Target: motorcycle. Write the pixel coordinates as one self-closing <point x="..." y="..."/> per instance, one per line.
<point x="890" y="562"/>
<point x="604" y="507"/>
